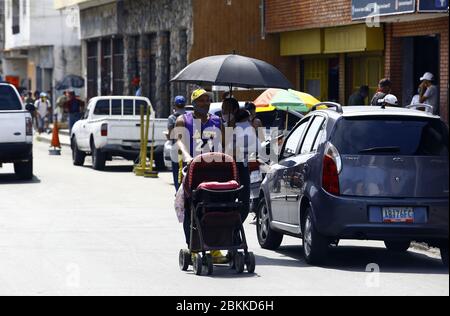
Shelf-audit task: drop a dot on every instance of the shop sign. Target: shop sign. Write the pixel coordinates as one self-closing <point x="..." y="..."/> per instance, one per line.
<point x="363" y="9"/>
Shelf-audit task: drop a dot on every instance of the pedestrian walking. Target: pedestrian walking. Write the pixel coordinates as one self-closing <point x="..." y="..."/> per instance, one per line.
<point x="74" y="107"/>
<point x="240" y="141"/>
<point x="428" y="92"/>
<point x="179" y="109"/>
<point x="43" y="110"/>
<point x="29" y="106"/>
<point x="202" y="128"/>
<point x="359" y="97"/>
<point x="384" y="88"/>
<point x="36" y="95"/>
<point x="255" y="121"/>
<point x="197" y="133"/>
<point x="60" y="103"/>
<point x="136" y="83"/>
<point x="29" y="98"/>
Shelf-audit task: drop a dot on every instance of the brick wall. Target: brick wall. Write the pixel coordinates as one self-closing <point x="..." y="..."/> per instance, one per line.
<point x="393" y="66"/>
<point x="236" y="27"/>
<point x="393" y="62"/>
<point x="287" y="15"/>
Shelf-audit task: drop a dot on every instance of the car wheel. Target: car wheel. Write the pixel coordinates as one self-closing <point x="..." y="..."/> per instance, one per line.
<point x="98" y="158"/>
<point x="24" y="170"/>
<point x="397" y="246"/>
<point x="78" y="157"/>
<point x="267" y="238"/>
<point x="444" y="255"/>
<point x="315" y="246"/>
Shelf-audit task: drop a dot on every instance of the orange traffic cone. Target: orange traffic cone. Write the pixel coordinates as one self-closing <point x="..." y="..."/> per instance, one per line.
<point x="56" y="144"/>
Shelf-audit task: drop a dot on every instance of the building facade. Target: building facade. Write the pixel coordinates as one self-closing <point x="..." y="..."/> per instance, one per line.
<point x="41" y="45"/>
<point x="340" y="45"/>
<point x="154" y="40"/>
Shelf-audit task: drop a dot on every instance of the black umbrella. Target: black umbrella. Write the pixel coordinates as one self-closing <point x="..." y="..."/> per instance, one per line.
<point x="70" y="81"/>
<point x="233" y="71"/>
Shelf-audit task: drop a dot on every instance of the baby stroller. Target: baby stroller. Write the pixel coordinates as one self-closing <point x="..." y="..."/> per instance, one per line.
<point x="211" y="193"/>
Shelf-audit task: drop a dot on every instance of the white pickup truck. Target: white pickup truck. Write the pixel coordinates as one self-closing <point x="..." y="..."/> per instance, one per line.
<point x="112" y="127"/>
<point x="16" y="133"/>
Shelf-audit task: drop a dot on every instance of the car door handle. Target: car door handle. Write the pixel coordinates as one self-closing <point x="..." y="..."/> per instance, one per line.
<point x="294" y="198"/>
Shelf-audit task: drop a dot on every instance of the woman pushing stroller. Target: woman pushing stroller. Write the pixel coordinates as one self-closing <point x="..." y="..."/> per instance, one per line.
<point x="201" y="132"/>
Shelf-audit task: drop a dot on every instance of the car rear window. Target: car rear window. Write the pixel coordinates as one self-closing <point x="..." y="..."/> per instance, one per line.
<point x="9" y="100"/>
<point x="102" y="107"/>
<point x="391" y="136"/>
<point x="138" y="105"/>
<point x="128" y="107"/>
<point x="116" y="107"/>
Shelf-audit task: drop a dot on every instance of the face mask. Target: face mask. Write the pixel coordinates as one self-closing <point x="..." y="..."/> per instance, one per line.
<point x="201" y="110"/>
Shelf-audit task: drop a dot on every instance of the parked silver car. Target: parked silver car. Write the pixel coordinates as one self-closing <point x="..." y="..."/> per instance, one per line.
<point x="370" y="173"/>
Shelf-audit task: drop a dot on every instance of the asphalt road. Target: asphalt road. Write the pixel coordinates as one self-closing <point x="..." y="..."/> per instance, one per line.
<point x="75" y="231"/>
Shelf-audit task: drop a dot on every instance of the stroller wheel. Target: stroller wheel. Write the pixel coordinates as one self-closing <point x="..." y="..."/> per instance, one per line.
<point x="230" y="257"/>
<point x="209" y="264"/>
<point x="250" y="262"/>
<point x="197" y="263"/>
<point x="184" y="259"/>
<point x="239" y="262"/>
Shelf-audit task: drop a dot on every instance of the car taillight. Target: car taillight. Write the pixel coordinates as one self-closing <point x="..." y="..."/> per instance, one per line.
<point x="29" y="126"/>
<point x="332" y="167"/>
<point x="104" y="130"/>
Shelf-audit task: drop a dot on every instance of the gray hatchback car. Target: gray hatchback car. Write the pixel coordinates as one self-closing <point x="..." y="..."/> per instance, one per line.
<point x="368" y="173"/>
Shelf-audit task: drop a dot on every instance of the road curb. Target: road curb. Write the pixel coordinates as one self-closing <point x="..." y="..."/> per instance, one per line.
<point x="41" y="139"/>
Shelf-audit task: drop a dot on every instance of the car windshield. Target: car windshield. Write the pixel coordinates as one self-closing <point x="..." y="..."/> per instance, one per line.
<point x="9" y="100"/>
<point x="391" y="136"/>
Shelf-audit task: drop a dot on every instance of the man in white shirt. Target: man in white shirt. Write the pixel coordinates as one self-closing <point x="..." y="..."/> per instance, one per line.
<point x="428" y="92"/>
<point x="43" y="107"/>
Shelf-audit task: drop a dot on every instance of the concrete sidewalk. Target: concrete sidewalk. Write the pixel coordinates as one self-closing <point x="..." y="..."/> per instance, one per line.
<point x="64" y="138"/>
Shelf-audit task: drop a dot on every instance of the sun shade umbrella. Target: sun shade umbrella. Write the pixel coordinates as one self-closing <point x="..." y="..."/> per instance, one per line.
<point x="286" y="100"/>
<point x="233" y="71"/>
<point x="306" y="98"/>
<point x="70" y="81"/>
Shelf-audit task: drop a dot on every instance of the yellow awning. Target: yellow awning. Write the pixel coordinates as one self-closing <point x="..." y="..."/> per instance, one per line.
<point x="353" y="38"/>
<point x="303" y="42"/>
<point x="344" y="39"/>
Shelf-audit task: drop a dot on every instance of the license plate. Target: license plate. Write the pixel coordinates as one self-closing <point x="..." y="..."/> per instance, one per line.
<point x="398" y="215"/>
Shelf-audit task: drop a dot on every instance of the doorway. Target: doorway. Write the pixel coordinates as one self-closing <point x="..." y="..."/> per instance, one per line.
<point x="420" y="55"/>
<point x="320" y="78"/>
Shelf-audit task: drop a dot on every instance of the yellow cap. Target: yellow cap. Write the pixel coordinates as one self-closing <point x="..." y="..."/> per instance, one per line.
<point x="197" y="94"/>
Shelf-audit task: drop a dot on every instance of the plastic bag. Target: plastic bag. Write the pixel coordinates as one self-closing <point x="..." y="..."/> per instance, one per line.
<point x="179" y="204"/>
